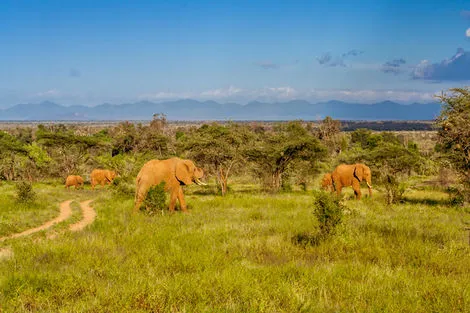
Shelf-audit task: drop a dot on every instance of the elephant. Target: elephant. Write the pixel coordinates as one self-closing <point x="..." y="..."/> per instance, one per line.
<point x="327" y="182"/>
<point x="73" y="180"/>
<point x="346" y="175"/>
<point x="174" y="172"/>
<point x="99" y="176"/>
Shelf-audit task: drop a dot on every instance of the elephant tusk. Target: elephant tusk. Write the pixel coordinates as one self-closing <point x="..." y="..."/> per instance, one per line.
<point x="200" y="183"/>
<point x="368" y="185"/>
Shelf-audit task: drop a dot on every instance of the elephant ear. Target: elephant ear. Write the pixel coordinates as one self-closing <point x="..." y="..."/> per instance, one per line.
<point x="183" y="172"/>
<point x="359" y="171"/>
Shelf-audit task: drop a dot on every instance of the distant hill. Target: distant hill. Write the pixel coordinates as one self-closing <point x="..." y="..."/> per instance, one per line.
<point x="192" y="110"/>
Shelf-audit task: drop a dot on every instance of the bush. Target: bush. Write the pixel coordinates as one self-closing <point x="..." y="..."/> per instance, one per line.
<point x="123" y="187"/>
<point x="328" y="210"/>
<point x="24" y="192"/>
<point x="155" y="199"/>
<point x="329" y="213"/>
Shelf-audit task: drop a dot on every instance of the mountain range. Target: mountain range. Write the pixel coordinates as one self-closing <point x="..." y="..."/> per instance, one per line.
<point x="192" y="110"/>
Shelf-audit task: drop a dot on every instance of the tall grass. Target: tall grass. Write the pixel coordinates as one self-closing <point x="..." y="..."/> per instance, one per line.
<point x="235" y="254"/>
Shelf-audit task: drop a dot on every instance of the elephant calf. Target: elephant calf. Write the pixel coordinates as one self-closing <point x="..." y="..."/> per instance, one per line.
<point x="327" y="182"/>
<point x="73" y="180"/>
<point x="101" y="177"/>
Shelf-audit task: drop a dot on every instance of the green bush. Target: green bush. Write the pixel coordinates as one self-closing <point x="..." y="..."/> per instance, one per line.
<point x="328" y="210"/>
<point x="123" y="187"/>
<point x="25" y="192"/>
<point x="155" y="199"/>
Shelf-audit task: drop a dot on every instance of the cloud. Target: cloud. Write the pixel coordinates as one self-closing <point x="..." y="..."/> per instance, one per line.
<point x="457" y="68"/>
<point x="465" y="14"/>
<point x="288" y="93"/>
<point x="393" y="67"/>
<point x="268" y="65"/>
<point x="51" y="93"/>
<point x="73" y="72"/>
<point x="467" y="33"/>
<point x="326" y="59"/>
<point x="353" y="53"/>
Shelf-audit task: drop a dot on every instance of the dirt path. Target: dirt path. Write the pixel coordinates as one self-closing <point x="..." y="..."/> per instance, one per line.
<point x="65" y="213"/>
<point x="89" y="216"/>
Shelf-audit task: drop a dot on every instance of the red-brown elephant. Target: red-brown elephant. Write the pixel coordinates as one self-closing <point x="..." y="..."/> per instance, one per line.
<point x="352" y="175"/>
<point x="175" y="172"/>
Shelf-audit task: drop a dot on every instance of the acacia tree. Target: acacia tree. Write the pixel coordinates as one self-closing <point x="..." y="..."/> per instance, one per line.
<point x="217" y="148"/>
<point x="66" y="148"/>
<point x="390" y="160"/>
<point x="454" y="132"/>
<point x="275" y="151"/>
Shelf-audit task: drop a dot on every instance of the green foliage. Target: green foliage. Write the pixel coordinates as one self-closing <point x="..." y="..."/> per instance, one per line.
<point x="217" y="148"/>
<point x="123" y="187"/>
<point x="25" y="192"/>
<point x="274" y="152"/>
<point x="155" y="201"/>
<point x="328" y="210"/>
<point x="454" y="132"/>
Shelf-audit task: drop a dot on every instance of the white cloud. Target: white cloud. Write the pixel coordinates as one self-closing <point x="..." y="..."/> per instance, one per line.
<point x="467" y="33"/>
<point x="221" y="93"/>
<point x="51" y="93"/>
<point x="287" y="93"/>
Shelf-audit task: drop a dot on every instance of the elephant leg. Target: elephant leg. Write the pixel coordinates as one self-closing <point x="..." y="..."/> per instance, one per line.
<point x="173" y="197"/>
<point x="338" y="189"/>
<point x="181" y="200"/>
<point x="357" y="190"/>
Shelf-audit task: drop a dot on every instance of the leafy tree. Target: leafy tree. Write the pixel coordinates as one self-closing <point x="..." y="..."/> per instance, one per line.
<point x="275" y="151"/>
<point x="329" y="133"/>
<point x="391" y="161"/>
<point x="454" y="132"/>
<point x="217" y="148"/>
<point x="66" y="148"/>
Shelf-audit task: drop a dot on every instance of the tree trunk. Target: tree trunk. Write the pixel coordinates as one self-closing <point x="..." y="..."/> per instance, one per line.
<point x="276" y="181"/>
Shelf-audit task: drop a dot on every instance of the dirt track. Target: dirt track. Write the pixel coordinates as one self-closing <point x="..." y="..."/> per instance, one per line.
<point x="88" y="213"/>
<point x="89" y="216"/>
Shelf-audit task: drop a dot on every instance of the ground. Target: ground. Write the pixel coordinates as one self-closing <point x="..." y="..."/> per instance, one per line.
<point x="236" y="253"/>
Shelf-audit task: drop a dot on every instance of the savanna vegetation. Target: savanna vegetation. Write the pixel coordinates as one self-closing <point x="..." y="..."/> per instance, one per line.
<point x="261" y="237"/>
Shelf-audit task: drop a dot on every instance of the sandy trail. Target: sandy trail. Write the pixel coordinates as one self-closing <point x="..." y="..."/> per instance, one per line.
<point x="65" y="213"/>
<point x="89" y="216"/>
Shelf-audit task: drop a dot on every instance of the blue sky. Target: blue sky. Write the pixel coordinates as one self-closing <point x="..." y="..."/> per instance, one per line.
<point x="90" y="52"/>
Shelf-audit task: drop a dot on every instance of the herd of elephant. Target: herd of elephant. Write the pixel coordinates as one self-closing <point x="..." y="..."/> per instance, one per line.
<point x="176" y="172"/>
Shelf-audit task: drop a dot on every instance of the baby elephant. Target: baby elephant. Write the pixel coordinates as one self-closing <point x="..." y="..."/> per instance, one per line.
<point x="327" y="182"/>
<point x="73" y="180"/>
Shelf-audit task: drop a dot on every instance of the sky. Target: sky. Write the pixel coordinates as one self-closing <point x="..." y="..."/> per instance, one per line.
<point x="102" y="51"/>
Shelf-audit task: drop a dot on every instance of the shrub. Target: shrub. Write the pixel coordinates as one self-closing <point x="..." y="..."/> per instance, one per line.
<point x="123" y="187"/>
<point x="328" y="210"/>
<point x="25" y="192"/>
<point x="155" y="199"/>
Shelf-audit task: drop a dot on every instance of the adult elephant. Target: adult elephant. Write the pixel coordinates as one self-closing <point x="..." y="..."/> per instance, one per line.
<point x="327" y="182"/>
<point x="101" y="177"/>
<point x="352" y="175"/>
<point x="175" y="172"/>
<point x="73" y="180"/>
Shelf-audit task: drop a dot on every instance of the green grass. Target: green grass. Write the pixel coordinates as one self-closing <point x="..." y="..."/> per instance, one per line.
<point x="237" y="254"/>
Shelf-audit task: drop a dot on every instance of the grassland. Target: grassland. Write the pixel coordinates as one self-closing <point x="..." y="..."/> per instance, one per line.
<point x="238" y="254"/>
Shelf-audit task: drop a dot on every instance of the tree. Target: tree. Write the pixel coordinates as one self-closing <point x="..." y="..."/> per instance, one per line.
<point x="454" y="132"/>
<point x="390" y="160"/>
<point x="217" y="148"/>
<point x="329" y="133"/>
<point x="274" y="152"/>
<point x="66" y="148"/>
